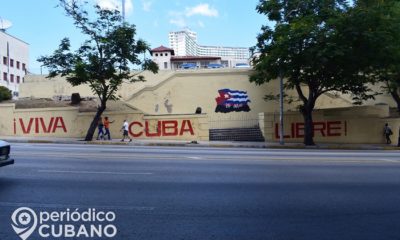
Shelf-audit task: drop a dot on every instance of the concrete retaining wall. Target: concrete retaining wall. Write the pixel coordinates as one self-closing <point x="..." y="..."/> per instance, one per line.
<point x="337" y="125"/>
<point x="69" y="122"/>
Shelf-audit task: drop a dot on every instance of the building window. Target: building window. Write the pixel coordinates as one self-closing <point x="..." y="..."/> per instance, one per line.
<point x="156" y="54"/>
<point x="23" y="80"/>
<point x="165" y="65"/>
<point x="24" y="67"/>
<point x="5" y="76"/>
<point x="18" y="64"/>
<point x="11" y="77"/>
<point x="5" y="60"/>
<point x="166" y="54"/>
<point x="11" y="62"/>
<point x="161" y="54"/>
<point x="18" y="79"/>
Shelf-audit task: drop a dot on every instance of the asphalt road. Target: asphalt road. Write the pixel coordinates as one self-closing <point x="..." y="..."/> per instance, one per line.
<point x="204" y="193"/>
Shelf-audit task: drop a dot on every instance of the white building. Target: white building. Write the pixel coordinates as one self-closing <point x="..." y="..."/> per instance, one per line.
<point x="184" y="43"/>
<point x="166" y="60"/>
<point x="14" y="58"/>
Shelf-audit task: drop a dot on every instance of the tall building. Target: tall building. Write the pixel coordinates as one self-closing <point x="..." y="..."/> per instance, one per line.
<point x="14" y="58"/>
<point x="184" y="43"/>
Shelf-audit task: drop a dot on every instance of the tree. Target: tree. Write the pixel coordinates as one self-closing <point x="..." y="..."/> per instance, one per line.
<point x="104" y="60"/>
<point x="308" y="48"/>
<point x="377" y="22"/>
<point x="5" y="94"/>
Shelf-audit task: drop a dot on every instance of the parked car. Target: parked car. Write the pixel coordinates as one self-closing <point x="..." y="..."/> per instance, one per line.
<point x="214" y="65"/>
<point x="5" y="154"/>
<point x="188" y="66"/>
<point x="242" y="65"/>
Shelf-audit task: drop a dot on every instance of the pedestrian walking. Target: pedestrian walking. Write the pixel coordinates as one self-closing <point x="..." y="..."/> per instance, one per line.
<point x="387" y="132"/>
<point x="398" y="139"/>
<point x="100" y="126"/>
<point x="125" y="129"/>
<point x="107" y="128"/>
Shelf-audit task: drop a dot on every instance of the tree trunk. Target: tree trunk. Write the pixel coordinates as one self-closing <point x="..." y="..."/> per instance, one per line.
<point x="92" y="129"/>
<point x="308" y="126"/>
<point x="396" y="97"/>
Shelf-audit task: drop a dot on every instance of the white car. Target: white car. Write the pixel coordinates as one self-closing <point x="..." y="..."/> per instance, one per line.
<point x="5" y="154"/>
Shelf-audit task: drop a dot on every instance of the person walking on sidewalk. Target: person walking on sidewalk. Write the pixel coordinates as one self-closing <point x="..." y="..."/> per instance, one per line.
<point x="125" y="129"/>
<point x="387" y="132"/>
<point x="398" y="139"/>
<point x="107" y="128"/>
<point x="100" y="125"/>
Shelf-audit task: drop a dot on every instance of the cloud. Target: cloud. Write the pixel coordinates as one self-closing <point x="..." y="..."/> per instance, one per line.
<point x="201" y="9"/>
<point x="147" y="5"/>
<point x="116" y="5"/>
<point x="180" y="22"/>
<point x="201" y="24"/>
<point x="177" y="18"/>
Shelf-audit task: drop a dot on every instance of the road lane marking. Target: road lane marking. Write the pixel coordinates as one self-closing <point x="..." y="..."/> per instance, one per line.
<point x="94" y="172"/>
<point x="62" y="205"/>
<point x="145" y="157"/>
<point x="390" y="160"/>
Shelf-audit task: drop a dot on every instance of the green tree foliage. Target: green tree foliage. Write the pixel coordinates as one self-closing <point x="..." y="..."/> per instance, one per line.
<point x="308" y="47"/>
<point x="377" y="25"/>
<point x="5" y="94"/>
<point x="104" y="60"/>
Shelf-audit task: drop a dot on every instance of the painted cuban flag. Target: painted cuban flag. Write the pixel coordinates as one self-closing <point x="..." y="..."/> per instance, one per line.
<point x="232" y="101"/>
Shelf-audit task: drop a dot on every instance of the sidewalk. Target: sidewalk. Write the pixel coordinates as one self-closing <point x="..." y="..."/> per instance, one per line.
<point x="222" y="144"/>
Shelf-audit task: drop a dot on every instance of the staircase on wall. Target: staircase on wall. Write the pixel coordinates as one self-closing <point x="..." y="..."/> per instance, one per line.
<point x="244" y="134"/>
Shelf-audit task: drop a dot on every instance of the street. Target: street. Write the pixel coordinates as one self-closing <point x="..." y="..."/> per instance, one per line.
<point x="210" y="193"/>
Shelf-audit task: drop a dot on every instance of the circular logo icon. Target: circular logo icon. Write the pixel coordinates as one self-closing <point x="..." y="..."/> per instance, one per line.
<point x="24" y="222"/>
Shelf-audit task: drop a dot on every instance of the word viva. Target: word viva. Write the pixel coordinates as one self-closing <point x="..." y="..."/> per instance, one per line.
<point x="322" y="129"/>
<point x="39" y="125"/>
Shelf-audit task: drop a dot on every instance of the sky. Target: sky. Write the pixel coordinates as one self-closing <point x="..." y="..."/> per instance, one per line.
<point x="231" y="23"/>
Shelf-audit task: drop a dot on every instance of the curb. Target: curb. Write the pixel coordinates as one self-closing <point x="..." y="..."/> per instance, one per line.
<point x="211" y="145"/>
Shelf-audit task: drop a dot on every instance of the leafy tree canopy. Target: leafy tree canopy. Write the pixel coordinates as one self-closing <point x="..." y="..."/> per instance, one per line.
<point x="309" y="47"/>
<point x="5" y="94"/>
<point x="104" y="60"/>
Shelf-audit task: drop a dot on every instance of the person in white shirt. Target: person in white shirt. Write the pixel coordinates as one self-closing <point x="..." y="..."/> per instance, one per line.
<point x="125" y="129"/>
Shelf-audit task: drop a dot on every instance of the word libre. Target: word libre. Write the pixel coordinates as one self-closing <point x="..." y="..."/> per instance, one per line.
<point x="323" y="129"/>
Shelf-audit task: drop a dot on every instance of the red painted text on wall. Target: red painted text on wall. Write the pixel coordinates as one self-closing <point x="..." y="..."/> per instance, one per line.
<point x="162" y="129"/>
<point x="322" y="129"/>
<point x="39" y="125"/>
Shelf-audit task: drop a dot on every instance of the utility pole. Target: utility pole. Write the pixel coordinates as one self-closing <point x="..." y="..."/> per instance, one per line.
<point x="281" y="140"/>
<point x="123" y="10"/>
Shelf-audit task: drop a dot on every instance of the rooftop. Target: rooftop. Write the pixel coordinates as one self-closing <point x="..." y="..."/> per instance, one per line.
<point x="162" y="49"/>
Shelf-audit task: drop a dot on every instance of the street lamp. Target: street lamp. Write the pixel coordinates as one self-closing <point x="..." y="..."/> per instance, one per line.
<point x="281" y="74"/>
<point x="123" y="11"/>
<point x="281" y="140"/>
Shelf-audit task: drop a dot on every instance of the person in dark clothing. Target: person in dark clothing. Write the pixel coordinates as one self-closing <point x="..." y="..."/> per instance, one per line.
<point x="387" y="131"/>
<point x="100" y="126"/>
<point x="398" y="139"/>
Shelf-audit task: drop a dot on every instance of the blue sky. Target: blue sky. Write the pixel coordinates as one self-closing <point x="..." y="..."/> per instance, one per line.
<point x="217" y="22"/>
